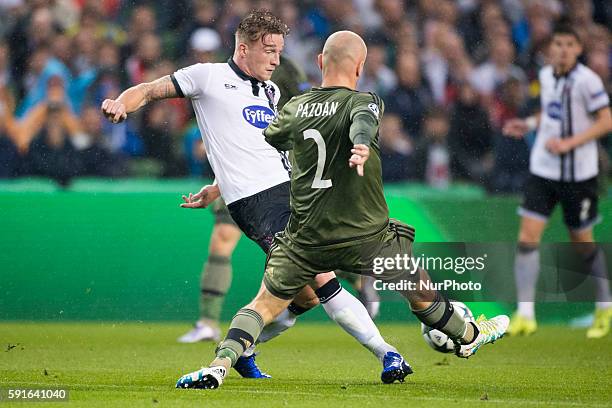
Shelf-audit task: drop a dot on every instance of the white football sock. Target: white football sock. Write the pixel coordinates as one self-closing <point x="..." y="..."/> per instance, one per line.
<point x="526" y="271"/>
<point x="284" y="321"/>
<point x="599" y="272"/>
<point x="346" y="310"/>
<point x="603" y="305"/>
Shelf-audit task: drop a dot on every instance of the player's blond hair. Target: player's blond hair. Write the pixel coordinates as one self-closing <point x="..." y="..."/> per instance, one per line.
<point x="259" y="23"/>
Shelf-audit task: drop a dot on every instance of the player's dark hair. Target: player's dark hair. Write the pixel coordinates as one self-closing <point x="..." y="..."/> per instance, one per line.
<point x="259" y="23"/>
<point x="564" y="27"/>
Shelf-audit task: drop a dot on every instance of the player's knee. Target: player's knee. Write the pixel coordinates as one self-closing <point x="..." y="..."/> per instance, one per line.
<point x="529" y="237"/>
<point x="582" y="236"/>
<point x="307" y="298"/>
<point x="329" y="290"/>
<point x="307" y="302"/>
<point x="322" y="279"/>
<point x="583" y="243"/>
<point x="531" y="231"/>
<point x="224" y="239"/>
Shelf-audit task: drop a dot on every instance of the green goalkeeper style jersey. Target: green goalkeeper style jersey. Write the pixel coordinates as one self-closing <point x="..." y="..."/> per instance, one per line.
<point x="330" y="202"/>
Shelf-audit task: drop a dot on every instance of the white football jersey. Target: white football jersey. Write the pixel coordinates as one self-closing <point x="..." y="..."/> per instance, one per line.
<point x="232" y="118"/>
<point x="568" y="103"/>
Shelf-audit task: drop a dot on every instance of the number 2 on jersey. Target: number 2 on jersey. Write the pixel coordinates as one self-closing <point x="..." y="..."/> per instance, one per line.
<point x="318" y="182"/>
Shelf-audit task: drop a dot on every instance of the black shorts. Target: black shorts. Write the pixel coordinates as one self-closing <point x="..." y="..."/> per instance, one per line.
<point x="578" y="200"/>
<point x="262" y="215"/>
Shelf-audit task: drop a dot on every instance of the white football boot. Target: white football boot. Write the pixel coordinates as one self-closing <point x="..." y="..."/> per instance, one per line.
<point x="202" y="331"/>
<point x="489" y="331"/>
<point x="207" y="378"/>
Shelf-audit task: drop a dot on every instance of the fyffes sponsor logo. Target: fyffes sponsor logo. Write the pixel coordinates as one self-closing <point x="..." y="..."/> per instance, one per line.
<point x="258" y="116"/>
<point x="554" y="110"/>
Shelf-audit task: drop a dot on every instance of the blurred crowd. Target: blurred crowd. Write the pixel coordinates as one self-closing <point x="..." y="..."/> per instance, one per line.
<point x="451" y="73"/>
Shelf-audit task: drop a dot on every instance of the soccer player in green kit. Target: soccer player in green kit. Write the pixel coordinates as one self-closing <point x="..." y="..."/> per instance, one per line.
<point x="339" y="217"/>
<point x="217" y="270"/>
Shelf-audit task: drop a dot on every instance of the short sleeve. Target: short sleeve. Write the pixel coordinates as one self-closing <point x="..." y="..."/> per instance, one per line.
<point x="594" y="93"/>
<point x="191" y="81"/>
<point x="368" y="103"/>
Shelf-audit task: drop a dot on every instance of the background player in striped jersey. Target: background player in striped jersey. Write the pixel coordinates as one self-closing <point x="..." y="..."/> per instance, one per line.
<point x="563" y="169"/>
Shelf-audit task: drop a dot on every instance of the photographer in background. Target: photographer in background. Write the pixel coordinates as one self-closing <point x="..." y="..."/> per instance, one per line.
<point x="56" y="144"/>
<point x="52" y="153"/>
<point x="10" y="158"/>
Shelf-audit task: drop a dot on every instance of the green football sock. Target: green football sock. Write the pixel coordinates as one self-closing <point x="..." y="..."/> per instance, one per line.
<point x="441" y="315"/>
<point x="244" y="330"/>
<point x="215" y="282"/>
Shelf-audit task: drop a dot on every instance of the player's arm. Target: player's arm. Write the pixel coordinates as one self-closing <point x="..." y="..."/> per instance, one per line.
<point x="203" y="198"/>
<point x="600" y="128"/>
<point x="517" y="127"/>
<point x="24" y="131"/>
<point x="134" y="98"/>
<point x="364" y="128"/>
<point x="365" y="119"/>
<point x="278" y="133"/>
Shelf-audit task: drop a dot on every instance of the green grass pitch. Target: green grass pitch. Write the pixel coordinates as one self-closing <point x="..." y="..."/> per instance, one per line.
<point x="137" y="364"/>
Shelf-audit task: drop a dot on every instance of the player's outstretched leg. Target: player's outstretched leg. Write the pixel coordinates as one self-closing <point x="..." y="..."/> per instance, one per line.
<point x="440" y="314"/>
<point x="349" y="313"/>
<point x="244" y="330"/>
<point x="352" y="316"/>
<point x="366" y="292"/>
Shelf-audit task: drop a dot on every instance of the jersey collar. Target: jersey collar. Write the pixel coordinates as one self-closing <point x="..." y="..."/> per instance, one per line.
<point x="566" y="74"/>
<point x="255" y="83"/>
<point x="332" y="88"/>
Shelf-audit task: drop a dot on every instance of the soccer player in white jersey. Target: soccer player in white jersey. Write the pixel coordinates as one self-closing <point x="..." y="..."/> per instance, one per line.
<point x="563" y="167"/>
<point x="234" y="102"/>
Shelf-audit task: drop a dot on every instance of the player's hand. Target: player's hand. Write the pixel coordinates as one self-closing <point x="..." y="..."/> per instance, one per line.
<point x="515" y="128"/>
<point x="114" y="110"/>
<point x="203" y="198"/>
<point x="559" y="146"/>
<point x="360" y="155"/>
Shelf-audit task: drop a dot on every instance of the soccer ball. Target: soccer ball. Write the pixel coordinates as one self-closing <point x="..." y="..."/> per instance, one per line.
<point x="440" y="341"/>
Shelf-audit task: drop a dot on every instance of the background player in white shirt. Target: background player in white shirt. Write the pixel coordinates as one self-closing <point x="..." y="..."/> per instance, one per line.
<point x="234" y="102"/>
<point x="563" y="169"/>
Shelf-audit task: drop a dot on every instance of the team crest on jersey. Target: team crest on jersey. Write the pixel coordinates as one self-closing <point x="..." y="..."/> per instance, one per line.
<point x="374" y="108"/>
<point x="258" y="116"/>
<point x="553" y="110"/>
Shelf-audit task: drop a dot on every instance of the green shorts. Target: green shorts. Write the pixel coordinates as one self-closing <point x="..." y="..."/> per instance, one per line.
<point x="221" y="213"/>
<point x="290" y="267"/>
